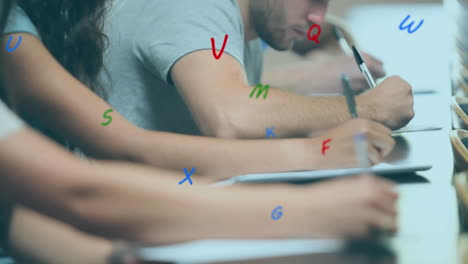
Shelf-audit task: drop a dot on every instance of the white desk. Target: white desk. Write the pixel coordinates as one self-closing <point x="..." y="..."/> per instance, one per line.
<point x="428" y="218"/>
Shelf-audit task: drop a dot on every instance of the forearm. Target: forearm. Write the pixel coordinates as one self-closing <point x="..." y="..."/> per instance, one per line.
<point x="137" y="203"/>
<point x="118" y="200"/>
<point x="291" y="114"/>
<point x="161" y="211"/>
<point x="221" y="158"/>
<point x="41" y="240"/>
<point x="53" y="98"/>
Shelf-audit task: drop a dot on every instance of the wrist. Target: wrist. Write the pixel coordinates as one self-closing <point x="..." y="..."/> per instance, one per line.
<point x="365" y="109"/>
<point x="139" y="149"/>
<point x="297" y="154"/>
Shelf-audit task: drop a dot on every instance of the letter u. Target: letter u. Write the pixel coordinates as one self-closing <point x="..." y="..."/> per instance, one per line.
<point x="9" y="43"/>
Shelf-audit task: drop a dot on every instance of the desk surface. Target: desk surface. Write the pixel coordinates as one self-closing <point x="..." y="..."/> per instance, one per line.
<point x="428" y="217"/>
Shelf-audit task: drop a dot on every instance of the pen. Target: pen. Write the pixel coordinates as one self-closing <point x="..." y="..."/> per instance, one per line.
<point x="360" y="144"/>
<point x="360" y="139"/>
<point x="348" y="92"/>
<point x="363" y="67"/>
<point x="342" y="40"/>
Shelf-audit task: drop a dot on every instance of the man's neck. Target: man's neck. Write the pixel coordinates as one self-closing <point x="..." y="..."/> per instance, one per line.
<point x="250" y="33"/>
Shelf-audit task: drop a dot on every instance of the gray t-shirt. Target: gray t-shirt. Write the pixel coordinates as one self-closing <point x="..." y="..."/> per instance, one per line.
<point x="9" y="122"/>
<point x="19" y="22"/>
<point x="147" y="37"/>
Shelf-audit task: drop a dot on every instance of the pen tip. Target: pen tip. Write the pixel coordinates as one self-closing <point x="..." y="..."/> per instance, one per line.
<point x="336" y="32"/>
<point x="357" y="55"/>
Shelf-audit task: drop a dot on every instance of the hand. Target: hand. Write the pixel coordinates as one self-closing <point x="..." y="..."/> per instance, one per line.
<point x="351" y="207"/>
<point x="342" y="152"/>
<point x="390" y="103"/>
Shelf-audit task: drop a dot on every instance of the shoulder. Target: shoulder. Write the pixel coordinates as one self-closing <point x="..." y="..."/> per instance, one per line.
<point x="19" y="22"/>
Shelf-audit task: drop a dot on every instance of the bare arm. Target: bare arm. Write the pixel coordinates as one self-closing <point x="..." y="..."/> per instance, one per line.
<point x="218" y="95"/>
<point x="63" y="244"/>
<point x="52" y="96"/>
<point x="150" y="207"/>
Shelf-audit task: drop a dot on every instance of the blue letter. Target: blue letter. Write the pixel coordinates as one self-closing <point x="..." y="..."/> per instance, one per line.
<point x="9" y="43"/>
<point x="187" y="176"/>
<point x="277" y="213"/>
<point x="410" y="25"/>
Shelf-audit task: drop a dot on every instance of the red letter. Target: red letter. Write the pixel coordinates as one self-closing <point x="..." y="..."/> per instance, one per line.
<point x="314" y="37"/>
<point x="324" y="148"/>
<point x="213" y="46"/>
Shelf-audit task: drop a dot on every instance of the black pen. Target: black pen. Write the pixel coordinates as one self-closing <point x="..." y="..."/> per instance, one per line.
<point x="348" y="92"/>
<point x="360" y="139"/>
<point x="342" y="40"/>
<point x="363" y="67"/>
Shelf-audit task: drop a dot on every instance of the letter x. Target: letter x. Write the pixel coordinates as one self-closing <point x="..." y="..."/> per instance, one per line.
<point x="187" y="176"/>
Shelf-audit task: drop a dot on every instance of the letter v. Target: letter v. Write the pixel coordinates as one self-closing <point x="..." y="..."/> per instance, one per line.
<point x="222" y="49"/>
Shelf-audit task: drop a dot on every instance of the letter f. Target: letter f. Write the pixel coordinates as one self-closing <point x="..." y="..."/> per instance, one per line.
<point x="324" y="146"/>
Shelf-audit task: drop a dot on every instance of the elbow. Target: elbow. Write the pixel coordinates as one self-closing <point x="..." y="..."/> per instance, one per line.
<point x="82" y="208"/>
<point x="222" y="125"/>
<point x="226" y="132"/>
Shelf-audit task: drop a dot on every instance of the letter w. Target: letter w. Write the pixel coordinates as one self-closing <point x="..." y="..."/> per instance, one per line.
<point x="261" y="89"/>
<point x="410" y="25"/>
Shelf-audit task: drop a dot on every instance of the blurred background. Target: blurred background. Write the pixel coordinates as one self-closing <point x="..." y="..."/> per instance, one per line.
<point x="339" y="7"/>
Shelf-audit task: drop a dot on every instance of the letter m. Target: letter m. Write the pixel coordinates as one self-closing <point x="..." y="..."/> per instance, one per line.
<point x="261" y="89"/>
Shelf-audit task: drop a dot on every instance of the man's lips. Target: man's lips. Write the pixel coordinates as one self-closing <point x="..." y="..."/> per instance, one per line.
<point x="300" y="32"/>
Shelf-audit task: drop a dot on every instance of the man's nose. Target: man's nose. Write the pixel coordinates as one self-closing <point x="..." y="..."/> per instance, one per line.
<point x="317" y="15"/>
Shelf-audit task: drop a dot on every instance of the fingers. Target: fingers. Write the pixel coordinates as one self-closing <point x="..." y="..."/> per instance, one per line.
<point x="382" y="211"/>
<point x="379" y="137"/>
<point x="377" y="71"/>
<point x="375" y="66"/>
<point x="384" y="143"/>
<point x="379" y="127"/>
<point x="379" y="219"/>
<point x="374" y="155"/>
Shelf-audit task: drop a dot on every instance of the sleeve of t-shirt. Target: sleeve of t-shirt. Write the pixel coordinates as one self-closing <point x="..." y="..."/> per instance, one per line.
<point x="9" y="122"/>
<point x="173" y="29"/>
<point x="19" y="22"/>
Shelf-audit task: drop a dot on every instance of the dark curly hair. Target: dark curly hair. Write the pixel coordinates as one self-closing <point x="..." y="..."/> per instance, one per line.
<point x="5" y="7"/>
<point x="72" y="31"/>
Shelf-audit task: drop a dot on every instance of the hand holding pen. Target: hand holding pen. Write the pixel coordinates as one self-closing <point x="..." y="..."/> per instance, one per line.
<point x="367" y="148"/>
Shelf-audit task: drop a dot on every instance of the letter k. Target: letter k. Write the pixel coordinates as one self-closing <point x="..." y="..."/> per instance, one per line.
<point x="270" y="132"/>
